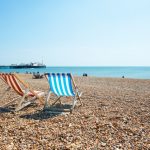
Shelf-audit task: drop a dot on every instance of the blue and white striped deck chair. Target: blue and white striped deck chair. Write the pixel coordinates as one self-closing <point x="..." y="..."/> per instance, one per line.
<point x="62" y="84"/>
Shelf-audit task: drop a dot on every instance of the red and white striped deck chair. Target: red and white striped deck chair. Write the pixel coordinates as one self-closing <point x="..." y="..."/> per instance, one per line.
<point x="26" y="94"/>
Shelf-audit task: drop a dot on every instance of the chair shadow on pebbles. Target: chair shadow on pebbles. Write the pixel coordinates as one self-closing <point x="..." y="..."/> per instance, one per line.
<point x="5" y="110"/>
<point x="46" y="114"/>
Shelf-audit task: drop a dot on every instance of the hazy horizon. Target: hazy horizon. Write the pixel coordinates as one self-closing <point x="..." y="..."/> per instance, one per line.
<point x="75" y="33"/>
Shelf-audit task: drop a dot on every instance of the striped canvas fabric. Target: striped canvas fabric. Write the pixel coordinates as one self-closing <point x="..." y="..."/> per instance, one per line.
<point x="11" y="80"/>
<point x="60" y="84"/>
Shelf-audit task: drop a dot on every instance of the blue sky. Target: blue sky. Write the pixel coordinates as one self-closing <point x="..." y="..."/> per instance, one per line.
<point x="75" y="32"/>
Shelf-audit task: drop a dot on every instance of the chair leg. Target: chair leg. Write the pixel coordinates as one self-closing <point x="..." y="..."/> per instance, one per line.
<point x="79" y="95"/>
<point x="26" y="104"/>
<point x="47" y="99"/>
<point x="22" y="106"/>
<point x="73" y="104"/>
<point x="58" y="99"/>
<point x="21" y="101"/>
<point x="19" y="107"/>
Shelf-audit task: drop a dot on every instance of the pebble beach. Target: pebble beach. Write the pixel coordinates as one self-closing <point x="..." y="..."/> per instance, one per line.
<point x="115" y="116"/>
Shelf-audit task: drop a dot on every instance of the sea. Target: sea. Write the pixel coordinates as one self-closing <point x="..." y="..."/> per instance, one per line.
<point x="106" y="72"/>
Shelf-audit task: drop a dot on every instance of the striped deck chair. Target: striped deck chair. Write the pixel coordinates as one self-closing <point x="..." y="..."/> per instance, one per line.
<point x="62" y="85"/>
<point x="26" y="94"/>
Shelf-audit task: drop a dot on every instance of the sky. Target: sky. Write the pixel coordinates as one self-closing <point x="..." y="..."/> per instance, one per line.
<point x="75" y="32"/>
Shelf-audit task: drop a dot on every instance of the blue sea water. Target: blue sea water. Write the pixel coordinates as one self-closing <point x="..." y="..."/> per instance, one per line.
<point x="117" y="72"/>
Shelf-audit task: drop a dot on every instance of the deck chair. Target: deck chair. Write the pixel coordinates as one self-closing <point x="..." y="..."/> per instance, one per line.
<point x="62" y="85"/>
<point x="26" y="94"/>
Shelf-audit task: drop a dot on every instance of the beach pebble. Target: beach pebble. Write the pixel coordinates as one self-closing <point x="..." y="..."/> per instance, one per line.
<point x="103" y="144"/>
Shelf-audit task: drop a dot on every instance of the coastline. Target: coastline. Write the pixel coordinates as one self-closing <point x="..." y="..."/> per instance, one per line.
<point x="108" y="72"/>
<point x="115" y="114"/>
